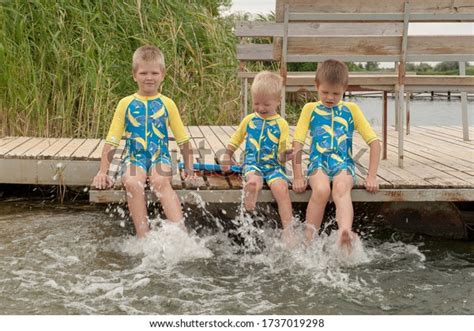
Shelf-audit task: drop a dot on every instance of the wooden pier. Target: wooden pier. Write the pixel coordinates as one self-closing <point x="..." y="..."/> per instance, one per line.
<point x="439" y="166"/>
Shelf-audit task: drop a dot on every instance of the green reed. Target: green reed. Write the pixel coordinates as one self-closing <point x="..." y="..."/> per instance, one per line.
<point x="66" y="64"/>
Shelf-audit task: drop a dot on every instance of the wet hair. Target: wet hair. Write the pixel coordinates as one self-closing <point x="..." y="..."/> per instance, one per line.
<point x="148" y="53"/>
<point x="332" y="72"/>
<point x="268" y="83"/>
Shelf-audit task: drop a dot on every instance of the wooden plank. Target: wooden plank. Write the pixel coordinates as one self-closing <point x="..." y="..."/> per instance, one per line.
<point x="86" y="149"/>
<point x="114" y="167"/>
<point x="271" y="29"/>
<point x="380" y="17"/>
<point x="381" y="45"/>
<point x="6" y="140"/>
<point x="195" y="132"/>
<point x="38" y="149"/>
<point x="223" y="139"/>
<point x="47" y="172"/>
<point x="426" y="172"/>
<point x="97" y="153"/>
<point x="432" y="154"/>
<point x="70" y="148"/>
<point x="54" y="148"/>
<point x="444" y="165"/>
<point x="456" y="128"/>
<point x="444" y="134"/>
<point x="447" y="148"/>
<point x="234" y="196"/>
<point x="174" y="150"/>
<point x="20" y="150"/>
<point x="437" y="7"/>
<point x="200" y="182"/>
<point x="420" y="148"/>
<point x="218" y="148"/>
<point x="235" y="180"/>
<point x="263" y="52"/>
<point x="12" y="144"/>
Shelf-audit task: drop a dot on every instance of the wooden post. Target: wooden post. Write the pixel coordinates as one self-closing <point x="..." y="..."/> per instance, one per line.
<point x="283" y="63"/>
<point x="384" y="125"/>
<point x="243" y="91"/>
<point x="407" y="107"/>
<point x="465" y="117"/>
<point x="397" y="102"/>
<point x="401" y="82"/>
<point x="246" y="96"/>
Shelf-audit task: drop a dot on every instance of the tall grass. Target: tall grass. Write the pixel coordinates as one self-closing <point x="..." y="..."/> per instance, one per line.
<point x="66" y="64"/>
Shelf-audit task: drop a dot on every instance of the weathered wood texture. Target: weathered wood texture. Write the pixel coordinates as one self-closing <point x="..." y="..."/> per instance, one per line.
<point x="436" y="160"/>
<point x="437" y="8"/>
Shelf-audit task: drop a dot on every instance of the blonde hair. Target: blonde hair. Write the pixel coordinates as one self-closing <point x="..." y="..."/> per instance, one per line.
<point x="332" y="72"/>
<point x="267" y="82"/>
<point x="148" y="53"/>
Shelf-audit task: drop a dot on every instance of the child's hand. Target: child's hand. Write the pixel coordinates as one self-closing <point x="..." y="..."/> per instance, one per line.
<point x="299" y="185"/>
<point x="102" y="181"/>
<point x="225" y="163"/>
<point x="189" y="174"/>
<point x="289" y="155"/>
<point x="371" y="184"/>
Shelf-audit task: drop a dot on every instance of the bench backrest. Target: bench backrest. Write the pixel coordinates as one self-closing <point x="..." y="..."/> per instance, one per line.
<point x="359" y="31"/>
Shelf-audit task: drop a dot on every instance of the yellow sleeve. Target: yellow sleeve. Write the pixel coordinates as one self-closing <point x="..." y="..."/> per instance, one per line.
<point x="361" y="124"/>
<point x="239" y="135"/>
<point x="175" y="123"/>
<point x="303" y="123"/>
<point x="284" y="143"/>
<point x="118" y="122"/>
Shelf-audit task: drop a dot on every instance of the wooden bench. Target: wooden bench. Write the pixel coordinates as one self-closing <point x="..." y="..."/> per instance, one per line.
<point x="361" y="31"/>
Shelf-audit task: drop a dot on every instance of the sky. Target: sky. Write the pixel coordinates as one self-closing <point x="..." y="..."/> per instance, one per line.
<point x="266" y="6"/>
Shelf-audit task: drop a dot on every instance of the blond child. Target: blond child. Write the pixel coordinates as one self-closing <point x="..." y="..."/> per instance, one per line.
<point x="331" y="123"/>
<point x="144" y="117"/>
<point x="266" y="147"/>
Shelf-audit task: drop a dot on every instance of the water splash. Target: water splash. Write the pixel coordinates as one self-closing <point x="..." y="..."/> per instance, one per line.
<point x="165" y="246"/>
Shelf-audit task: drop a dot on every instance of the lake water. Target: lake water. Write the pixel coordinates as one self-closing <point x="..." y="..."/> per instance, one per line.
<point x="76" y="259"/>
<point x="422" y="111"/>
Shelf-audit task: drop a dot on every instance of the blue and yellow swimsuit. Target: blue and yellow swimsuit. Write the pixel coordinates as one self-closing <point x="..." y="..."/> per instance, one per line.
<point x="331" y="131"/>
<point x="266" y="139"/>
<point x="145" y="121"/>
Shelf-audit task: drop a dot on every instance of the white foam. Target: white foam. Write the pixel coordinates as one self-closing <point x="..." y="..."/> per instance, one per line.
<point x="166" y="246"/>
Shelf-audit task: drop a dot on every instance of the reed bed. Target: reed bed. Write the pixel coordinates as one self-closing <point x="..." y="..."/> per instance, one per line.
<point x="66" y="64"/>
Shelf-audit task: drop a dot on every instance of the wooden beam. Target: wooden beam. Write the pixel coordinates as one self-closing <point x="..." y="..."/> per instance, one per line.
<point x="234" y="196"/>
<point x="256" y="52"/>
<point x="308" y="29"/>
<point x="421" y="9"/>
<point x="283" y="64"/>
<point x="380" y="17"/>
<point x="465" y="116"/>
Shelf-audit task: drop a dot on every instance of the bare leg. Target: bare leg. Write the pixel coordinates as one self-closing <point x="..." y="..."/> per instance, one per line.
<point x="341" y="194"/>
<point x="134" y="180"/>
<point x="160" y="182"/>
<point x="253" y="185"/>
<point x="281" y="194"/>
<point x="321" y="190"/>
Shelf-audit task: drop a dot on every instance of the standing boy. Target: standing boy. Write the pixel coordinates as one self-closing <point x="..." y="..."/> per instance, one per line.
<point x="266" y="137"/>
<point x="331" y="123"/>
<point x="144" y="117"/>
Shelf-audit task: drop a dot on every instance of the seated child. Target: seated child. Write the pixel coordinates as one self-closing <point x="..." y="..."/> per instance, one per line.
<point x="331" y="123"/>
<point x="266" y="137"/>
<point x="144" y="117"/>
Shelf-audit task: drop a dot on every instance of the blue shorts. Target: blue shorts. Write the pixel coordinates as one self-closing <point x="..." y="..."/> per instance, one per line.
<point x="331" y="167"/>
<point x="144" y="161"/>
<point x="269" y="174"/>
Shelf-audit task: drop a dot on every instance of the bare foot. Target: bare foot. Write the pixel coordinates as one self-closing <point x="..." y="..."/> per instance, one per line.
<point x="345" y="240"/>
<point x="289" y="238"/>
